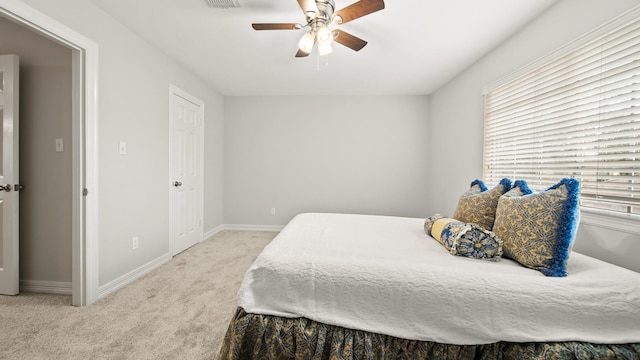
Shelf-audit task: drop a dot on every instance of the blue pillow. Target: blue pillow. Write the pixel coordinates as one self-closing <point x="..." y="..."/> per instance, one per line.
<point x="538" y="229"/>
<point x="478" y="204"/>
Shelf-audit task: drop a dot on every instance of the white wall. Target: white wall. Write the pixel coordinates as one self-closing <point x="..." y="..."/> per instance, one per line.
<point x="133" y="107"/>
<point x="346" y="154"/>
<point x="456" y="112"/>
<point x="45" y="115"/>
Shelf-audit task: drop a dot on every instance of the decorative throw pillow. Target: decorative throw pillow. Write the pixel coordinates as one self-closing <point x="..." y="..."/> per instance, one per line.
<point x="478" y="204"/>
<point x="464" y="239"/>
<point x="538" y="229"/>
<point x="428" y="223"/>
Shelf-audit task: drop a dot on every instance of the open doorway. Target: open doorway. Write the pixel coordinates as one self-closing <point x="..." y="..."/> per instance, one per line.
<point x="82" y="143"/>
<point x="45" y="162"/>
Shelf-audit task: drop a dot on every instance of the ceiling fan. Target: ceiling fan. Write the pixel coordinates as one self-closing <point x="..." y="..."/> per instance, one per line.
<point x="321" y="19"/>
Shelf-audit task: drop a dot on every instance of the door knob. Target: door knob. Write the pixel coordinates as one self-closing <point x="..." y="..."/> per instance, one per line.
<point x="6" y="188"/>
<point x="177" y="183"/>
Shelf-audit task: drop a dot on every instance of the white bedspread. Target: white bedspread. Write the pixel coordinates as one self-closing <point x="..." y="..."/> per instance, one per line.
<point x="385" y="275"/>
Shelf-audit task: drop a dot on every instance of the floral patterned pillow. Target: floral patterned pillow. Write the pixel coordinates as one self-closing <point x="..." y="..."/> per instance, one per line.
<point x="464" y="239"/>
<point x="478" y="204"/>
<point x="538" y="229"/>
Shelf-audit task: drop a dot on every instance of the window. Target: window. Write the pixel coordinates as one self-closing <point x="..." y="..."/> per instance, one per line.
<point x="576" y="115"/>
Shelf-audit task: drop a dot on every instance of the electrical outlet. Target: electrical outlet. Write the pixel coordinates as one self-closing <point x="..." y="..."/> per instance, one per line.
<point x="273" y="211"/>
<point x="135" y="243"/>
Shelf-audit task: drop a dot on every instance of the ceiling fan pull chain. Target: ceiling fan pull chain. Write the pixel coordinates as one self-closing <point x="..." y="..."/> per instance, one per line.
<point x="326" y="61"/>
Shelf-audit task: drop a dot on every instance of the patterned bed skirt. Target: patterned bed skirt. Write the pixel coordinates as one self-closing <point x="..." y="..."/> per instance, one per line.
<point x="252" y="336"/>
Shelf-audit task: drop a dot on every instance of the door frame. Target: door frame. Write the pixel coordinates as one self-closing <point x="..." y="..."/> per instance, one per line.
<point x="84" y="133"/>
<point x="176" y="91"/>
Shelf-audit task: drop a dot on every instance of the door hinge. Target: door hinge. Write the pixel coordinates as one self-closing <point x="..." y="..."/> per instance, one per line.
<point x="85" y="192"/>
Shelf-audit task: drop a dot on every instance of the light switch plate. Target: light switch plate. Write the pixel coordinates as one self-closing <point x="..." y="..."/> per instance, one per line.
<point x="122" y="148"/>
<point x="59" y="145"/>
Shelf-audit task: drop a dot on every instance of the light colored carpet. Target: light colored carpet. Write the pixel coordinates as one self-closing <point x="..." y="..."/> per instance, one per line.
<point x="179" y="311"/>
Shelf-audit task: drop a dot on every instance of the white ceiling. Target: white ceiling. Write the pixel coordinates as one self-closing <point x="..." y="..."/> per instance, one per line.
<point x="415" y="46"/>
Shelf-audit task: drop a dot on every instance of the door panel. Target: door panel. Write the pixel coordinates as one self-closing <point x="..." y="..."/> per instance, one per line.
<point x="9" y="200"/>
<point x="186" y="174"/>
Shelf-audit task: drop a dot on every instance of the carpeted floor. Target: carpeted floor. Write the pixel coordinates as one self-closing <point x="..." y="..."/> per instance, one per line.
<point x="179" y="311"/>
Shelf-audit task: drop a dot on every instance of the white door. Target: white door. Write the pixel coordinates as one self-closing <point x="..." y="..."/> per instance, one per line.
<point x="9" y="200"/>
<point x="186" y="170"/>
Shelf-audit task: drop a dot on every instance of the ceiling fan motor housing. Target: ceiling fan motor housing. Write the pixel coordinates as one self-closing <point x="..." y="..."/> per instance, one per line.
<point x="325" y="9"/>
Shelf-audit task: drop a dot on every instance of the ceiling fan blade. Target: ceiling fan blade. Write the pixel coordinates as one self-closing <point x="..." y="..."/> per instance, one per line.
<point x="308" y="6"/>
<point x="348" y="40"/>
<point x="301" y="53"/>
<point x="359" y="9"/>
<point x="277" y="26"/>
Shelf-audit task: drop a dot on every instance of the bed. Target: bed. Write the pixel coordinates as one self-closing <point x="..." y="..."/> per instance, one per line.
<point x="338" y="286"/>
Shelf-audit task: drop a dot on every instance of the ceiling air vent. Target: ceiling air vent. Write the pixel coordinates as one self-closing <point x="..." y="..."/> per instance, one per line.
<point x="223" y="3"/>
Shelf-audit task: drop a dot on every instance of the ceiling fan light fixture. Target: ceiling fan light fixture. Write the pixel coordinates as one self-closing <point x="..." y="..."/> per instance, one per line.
<point x="324" y="48"/>
<point x="325" y="36"/>
<point x="306" y="42"/>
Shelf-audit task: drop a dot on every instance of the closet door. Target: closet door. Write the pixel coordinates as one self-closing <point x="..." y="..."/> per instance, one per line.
<point x="9" y="200"/>
<point x="186" y="210"/>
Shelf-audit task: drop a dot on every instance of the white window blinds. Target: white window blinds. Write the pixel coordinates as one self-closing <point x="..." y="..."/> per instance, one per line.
<point x="576" y="116"/>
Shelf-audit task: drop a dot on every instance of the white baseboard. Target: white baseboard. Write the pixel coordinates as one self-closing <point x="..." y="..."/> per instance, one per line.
<point x="241" y="227"/>
<point x="47" y="287"/>
<point x="244" y="227"/>
<point x="130" y="277"/>
<point x="212" y="232"/>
